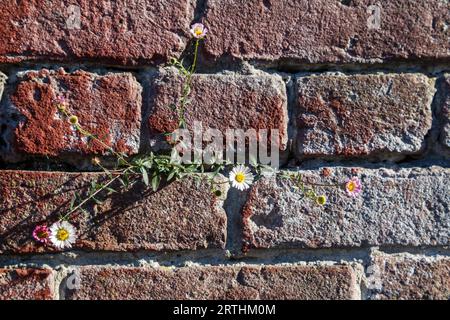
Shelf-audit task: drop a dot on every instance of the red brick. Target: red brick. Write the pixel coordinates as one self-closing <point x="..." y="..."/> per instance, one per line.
<point x="124" y="32"/>
<point x="180" y="216"/>
<point x="363" y="115"/>
<point x="227" y="282"/>
<point x="26" y="284"/>
<point x="108" y="106"/>
<point x="324" y="31"/>
<point x="409" y="277"/>
<point x="396" y="207"/>
<point x="221" y="102"/>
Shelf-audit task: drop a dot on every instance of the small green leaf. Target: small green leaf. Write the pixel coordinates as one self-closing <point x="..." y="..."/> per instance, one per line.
<point x="155" y="182"/>
<point x="72" y="202"/>
<point x="171" y="174"/>
<point x="110" y="190"/>
<point x="97" y="201"/>
<point x="144" y="176"/>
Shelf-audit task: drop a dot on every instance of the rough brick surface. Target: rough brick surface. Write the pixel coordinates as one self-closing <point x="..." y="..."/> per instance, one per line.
<point x="108" y="106"/>
<point x="396" y="207"/>
<point x="125" y="32"/>
<point x="250" y="282"/>
<point x="328" y="31"/>
<point x="221" y="102"/>
<point x="403" y="276"/>
<point x="179" y="216"/>
<point x="445" y="113"/>
<point x="358" y="115"/>
<point x="26" y="284"/>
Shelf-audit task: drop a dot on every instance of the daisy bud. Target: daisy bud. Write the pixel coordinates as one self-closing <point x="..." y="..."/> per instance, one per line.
<point x="321" y="200"/>
<point x="73" y="120"/>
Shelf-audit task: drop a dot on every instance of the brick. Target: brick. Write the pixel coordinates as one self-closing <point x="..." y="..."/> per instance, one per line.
<point x="445" y="113"/>
<point x="226" y="282"/>
<point x="328" y="31"/>
<point x="220" y="102"/>
<point x="120" y="32"/>
<point x="26" y="284"/>
<point x="108" y="106"/>
<point x="362" y="115"/>
<point x="180" y="216"/>
<point x="402" y="207"/>
<point x="409" y="277"/>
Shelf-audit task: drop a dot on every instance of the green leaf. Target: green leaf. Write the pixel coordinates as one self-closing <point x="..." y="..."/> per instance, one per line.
<point x="144" y="176"/>
<point x="97" y="201"/>
<point x="72" y="202"/>
<point x="110" y="190"/>
<point x="155" y="182"/>
<point x="84" y="211"/>
<point x="172" y="174"/>
<point x="147" y="163"/>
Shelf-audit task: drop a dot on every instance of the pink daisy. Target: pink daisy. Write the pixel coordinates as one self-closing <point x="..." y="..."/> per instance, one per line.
<point x="41" y="234"/>
<point x="198" y="30"/>
<point x="353" y="186"/>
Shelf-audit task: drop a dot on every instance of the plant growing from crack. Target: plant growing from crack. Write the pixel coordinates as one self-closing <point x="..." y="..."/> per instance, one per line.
<point x="153" y="169"/>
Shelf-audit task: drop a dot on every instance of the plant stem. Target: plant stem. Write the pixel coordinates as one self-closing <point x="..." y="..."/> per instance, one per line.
<point x="90" y="135"/>
<point x="93" y="195"/>
<point x="194" y="63"/>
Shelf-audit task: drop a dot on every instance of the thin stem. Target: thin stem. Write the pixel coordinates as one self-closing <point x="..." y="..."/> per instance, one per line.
<point x="92" y="136"/>
<point x="187" y="86"/>
<point x="103" y="187"/>
<point x="323" y="185"/>
<point x="194" y="63"/>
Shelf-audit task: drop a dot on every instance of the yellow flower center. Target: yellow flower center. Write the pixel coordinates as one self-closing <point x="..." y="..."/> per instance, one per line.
<point x="198" y="31"/>
<point x="240" y="177"/>
<point x="42" y="234"/>
<point x="62" y="235"/>
<point x="351" y="186"/>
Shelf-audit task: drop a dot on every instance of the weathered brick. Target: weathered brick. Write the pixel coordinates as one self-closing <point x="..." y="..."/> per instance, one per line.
<point x="220" y="102"/>
<point x="125" y="32"/>
<point x="180" y="216"/>
<point x="445" y="113"/>
<point x="326" y="31"/>
<point x="227" y="282"/>
<point x="395" y="207"/>
<point x="409" y="277"/>
<point x="26" y="284"/>
<point x="108" y="106"/>
<point x="376" y="115"/>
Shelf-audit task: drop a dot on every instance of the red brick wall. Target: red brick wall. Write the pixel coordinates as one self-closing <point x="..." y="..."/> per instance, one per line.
<point x="346" y="98"/>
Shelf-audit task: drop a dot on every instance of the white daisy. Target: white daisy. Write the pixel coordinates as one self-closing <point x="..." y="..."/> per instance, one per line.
<point x="241" y="177"/>
<point x="63" y="234"/>
<point x="198" y="30"/>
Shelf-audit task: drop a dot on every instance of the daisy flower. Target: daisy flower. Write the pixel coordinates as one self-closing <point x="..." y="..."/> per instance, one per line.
<point x="241" y="177"/>
<point x="198" y="30"/>
<point x="61" y="103"/>
<point x="41" y="234"/>
<point x="96" y="161"/>
<point x="63" y="234"/>
<point x="353" y="186"/>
